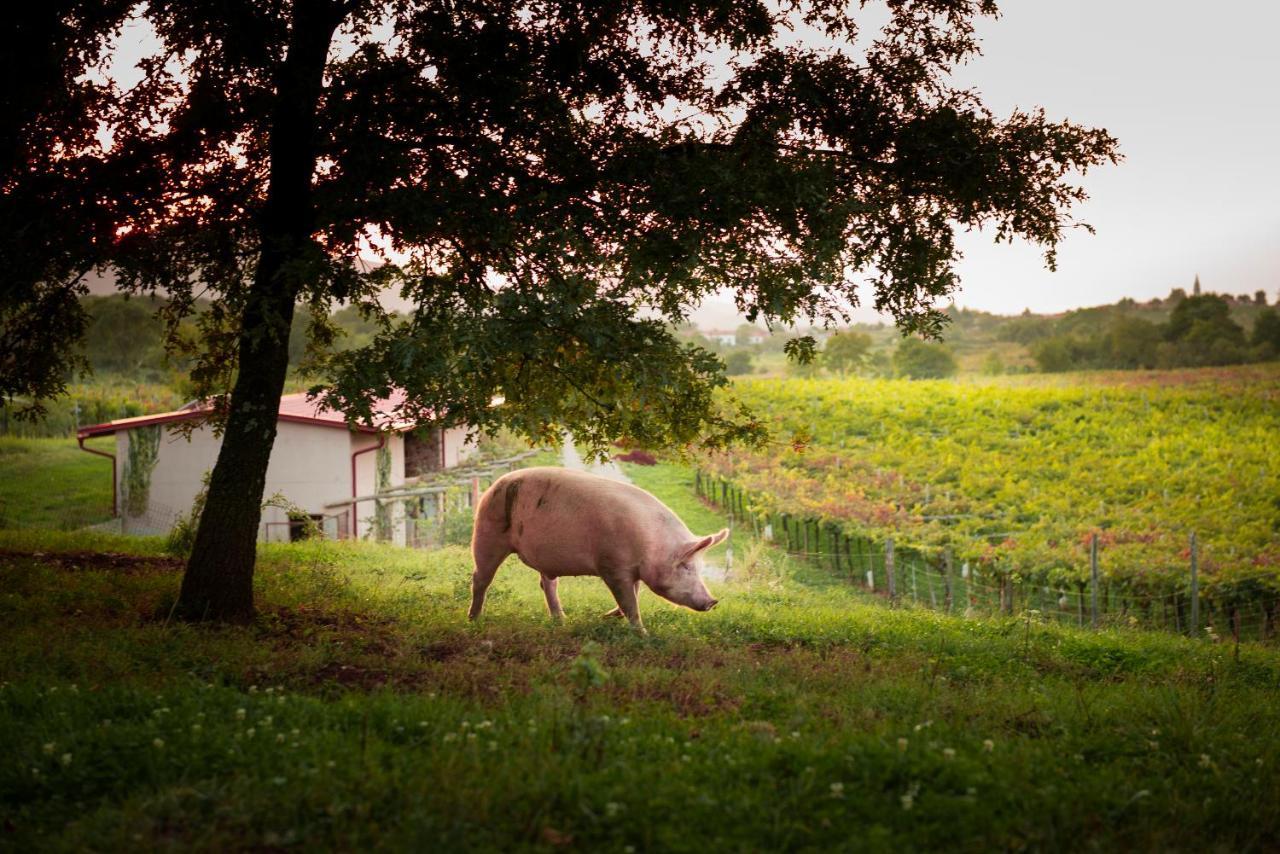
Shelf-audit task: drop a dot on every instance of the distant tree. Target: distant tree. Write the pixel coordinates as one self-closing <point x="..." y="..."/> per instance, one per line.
<point x="878" y="364"/>
<point x="1176" y="295"/>
<point x="1195" y="287"/>
<point x="845" y="352"/>
<point x="1266" y="334"/>
<point x="1025" y="329"/>
<point x="920" y="360"/>
<point x="1259" y="297"/>
<point x="738" y="363"/>
<point x="1057" y="354"/>
<point x="565" y="176"/>
<point x="992" y="364"/>
<point x="1209" y="309"/>
<point x="124" y="336"/>
<point x="1201" y="332"/>
<point x="1132" y="343"/>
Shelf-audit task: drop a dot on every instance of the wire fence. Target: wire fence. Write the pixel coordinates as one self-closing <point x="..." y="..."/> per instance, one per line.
<point x="935" y="580"/>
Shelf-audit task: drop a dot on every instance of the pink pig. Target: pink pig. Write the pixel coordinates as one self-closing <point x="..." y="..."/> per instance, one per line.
<point x="563" y="522"/>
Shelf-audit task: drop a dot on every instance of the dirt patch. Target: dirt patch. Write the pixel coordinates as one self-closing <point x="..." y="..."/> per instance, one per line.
<point x="98" y="561"/>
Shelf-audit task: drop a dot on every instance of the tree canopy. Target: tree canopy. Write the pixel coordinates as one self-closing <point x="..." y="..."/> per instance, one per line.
<point x="552" y="183"/>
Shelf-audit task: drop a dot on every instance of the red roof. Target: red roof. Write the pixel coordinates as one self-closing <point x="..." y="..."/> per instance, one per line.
<point x="294" y="408"/>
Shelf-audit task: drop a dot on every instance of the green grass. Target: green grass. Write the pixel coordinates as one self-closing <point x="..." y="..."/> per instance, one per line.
<point x="362" y="710"/>
<point x="51" y="483"/>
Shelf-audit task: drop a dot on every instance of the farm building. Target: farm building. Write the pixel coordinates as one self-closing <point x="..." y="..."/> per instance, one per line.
<point x="320" y="466"/>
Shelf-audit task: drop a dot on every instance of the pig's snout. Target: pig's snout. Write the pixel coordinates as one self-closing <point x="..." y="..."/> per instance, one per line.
<point x="710" y="604"/>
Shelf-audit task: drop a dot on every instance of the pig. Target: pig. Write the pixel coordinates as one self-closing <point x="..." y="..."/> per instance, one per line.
<point x="563" y="522"/>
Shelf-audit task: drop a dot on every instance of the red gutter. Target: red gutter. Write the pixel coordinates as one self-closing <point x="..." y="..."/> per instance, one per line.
<point x="115" y="510"/>
<point x="382" y="441"/>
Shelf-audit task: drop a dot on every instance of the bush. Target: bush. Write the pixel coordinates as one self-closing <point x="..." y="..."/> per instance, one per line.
<point x="921" y="360"/>
<point x="640" y="458"/>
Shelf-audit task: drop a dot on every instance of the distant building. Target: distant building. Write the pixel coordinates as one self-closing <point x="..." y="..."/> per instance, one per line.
<point x="319" y="464"/>
<point x="721" y="336"/>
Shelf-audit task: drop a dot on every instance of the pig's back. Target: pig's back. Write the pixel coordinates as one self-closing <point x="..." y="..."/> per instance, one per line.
<point x="567" y="522"/>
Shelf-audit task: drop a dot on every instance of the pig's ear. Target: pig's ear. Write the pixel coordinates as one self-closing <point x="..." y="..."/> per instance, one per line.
<point x="706" y="542"/>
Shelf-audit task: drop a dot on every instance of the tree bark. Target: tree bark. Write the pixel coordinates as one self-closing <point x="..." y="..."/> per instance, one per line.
<point x="218" y="583"/>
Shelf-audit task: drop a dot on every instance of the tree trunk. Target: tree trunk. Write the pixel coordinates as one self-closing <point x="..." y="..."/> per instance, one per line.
<point x="218" y="583"/>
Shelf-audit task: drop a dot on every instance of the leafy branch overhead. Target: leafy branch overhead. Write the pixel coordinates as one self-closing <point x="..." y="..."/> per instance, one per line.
<point x="552" y="181"/>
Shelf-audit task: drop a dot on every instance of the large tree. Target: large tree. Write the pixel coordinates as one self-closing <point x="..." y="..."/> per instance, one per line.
<point x="555" y="182"/>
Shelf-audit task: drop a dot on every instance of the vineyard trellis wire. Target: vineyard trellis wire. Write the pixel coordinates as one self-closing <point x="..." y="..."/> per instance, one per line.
<point x="929" y="577"/>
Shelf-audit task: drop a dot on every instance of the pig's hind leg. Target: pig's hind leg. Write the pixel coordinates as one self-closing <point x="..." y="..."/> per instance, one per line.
<point x="549" y="589"/>
<point x="488" y="557"/>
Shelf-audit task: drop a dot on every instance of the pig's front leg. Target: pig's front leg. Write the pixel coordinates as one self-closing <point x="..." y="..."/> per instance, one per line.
<point x="624" y="593"/>
<point x="549" y="589"/>
<point x="617" y="612"/>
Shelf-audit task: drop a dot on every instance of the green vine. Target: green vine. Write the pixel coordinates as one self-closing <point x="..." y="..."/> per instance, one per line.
<point x="144" y="449"/>
<point x="382" y="509"/>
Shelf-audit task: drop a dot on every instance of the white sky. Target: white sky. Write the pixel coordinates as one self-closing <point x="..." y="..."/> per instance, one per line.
<point x="1192" y="91"/>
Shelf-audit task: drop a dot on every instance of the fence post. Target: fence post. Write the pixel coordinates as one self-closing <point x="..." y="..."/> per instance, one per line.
<point x="1195" y="586"/>
<point x="946" y="578"/>
<point x="888" y="568"/>
<point x="1093" y="578"/>
<point x="864" y="548"/>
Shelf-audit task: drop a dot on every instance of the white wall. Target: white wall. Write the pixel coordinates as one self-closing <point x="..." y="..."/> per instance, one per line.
<point x="310" y="466"/>
<point x="457" y="449"/>
<point x="366" y="482"/>
<point x="175" y="480"/>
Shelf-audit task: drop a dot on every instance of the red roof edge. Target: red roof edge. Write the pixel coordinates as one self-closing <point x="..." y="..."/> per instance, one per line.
<point x="190" y="413"/>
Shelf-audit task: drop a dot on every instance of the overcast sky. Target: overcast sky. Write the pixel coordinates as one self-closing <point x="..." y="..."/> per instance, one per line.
<point x="1192" y="91"/>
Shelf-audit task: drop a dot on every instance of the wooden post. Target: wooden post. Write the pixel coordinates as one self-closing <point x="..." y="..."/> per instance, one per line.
<point x="475" y="493"/>
<point x="946" y="579"/>
<point x="888" y="568"/>
<point x="1093" y="578"/>
<point x="933" y="595"/>
<point x="1195" y="586"/>
<point x="864" y="548"/>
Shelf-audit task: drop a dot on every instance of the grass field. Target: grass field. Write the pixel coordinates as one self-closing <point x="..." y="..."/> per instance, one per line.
<point x="362" y="710"/>
<point x="51" y="483"/>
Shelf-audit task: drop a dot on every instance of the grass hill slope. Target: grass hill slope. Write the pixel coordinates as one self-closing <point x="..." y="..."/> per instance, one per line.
<point x="363" y="710"/>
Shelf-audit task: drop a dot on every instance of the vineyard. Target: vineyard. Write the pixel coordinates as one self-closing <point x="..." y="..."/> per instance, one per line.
<point x="996" y="493"/>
